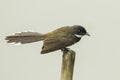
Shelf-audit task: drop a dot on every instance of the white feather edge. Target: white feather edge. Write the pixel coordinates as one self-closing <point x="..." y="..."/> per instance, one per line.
<point x="22" y="31"/>
<point x="79" y="36"/>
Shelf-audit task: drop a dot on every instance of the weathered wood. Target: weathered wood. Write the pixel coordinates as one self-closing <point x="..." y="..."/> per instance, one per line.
<point x="67" y="65"/>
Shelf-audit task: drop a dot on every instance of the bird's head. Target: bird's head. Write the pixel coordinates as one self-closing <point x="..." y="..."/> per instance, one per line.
<point x="79" y="31"/>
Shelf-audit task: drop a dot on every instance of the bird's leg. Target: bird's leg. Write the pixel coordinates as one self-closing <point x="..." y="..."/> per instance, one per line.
<point x="65" y="50"/>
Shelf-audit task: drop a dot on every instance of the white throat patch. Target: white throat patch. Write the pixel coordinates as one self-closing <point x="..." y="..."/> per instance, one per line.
<point x="78" y="36"/>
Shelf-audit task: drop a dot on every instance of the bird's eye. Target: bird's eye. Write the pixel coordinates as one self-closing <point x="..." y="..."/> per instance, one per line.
<point x="80" y="31"/>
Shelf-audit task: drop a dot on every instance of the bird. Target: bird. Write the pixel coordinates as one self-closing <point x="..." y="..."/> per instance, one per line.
<point x="58" y="39"/>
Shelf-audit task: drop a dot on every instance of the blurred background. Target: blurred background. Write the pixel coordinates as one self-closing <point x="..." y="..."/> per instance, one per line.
<point x="97" y="57"/>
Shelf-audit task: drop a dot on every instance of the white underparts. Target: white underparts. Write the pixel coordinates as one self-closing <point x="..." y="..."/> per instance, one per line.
<point x="78" y="36"/>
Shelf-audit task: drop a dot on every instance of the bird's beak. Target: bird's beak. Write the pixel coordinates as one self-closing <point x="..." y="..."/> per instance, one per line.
<point x="87" y="34"/>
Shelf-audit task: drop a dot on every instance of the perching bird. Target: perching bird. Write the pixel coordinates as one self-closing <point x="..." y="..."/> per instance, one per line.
<point x="52" y="41"/>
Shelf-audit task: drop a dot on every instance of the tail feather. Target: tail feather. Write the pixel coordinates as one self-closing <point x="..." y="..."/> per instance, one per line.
<point x="25" y="37"/>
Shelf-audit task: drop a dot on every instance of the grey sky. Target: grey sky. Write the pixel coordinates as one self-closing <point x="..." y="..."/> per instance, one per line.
<point x="98" y="56"/>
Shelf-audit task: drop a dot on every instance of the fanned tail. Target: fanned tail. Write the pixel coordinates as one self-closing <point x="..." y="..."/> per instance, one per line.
<point x="25" y="37"/>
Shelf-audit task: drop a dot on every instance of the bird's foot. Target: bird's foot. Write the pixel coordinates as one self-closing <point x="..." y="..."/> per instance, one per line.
<point x="64" y="50"/>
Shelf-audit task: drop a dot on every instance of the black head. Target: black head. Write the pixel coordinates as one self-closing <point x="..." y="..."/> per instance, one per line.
<point x="79" y="31"/>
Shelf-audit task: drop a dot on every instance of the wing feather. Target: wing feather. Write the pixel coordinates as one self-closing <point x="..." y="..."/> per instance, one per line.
<point x="55" y="43"/>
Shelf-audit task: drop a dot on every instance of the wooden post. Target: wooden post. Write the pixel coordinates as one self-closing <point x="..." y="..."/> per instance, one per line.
<point x="68" y="60"/>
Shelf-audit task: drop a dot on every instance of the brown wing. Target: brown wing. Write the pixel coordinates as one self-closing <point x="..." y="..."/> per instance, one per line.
<point x="57" y="40"/>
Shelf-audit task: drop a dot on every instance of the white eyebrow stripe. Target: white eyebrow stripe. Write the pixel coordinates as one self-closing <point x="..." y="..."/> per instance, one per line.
<point x="79" y="36"/>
